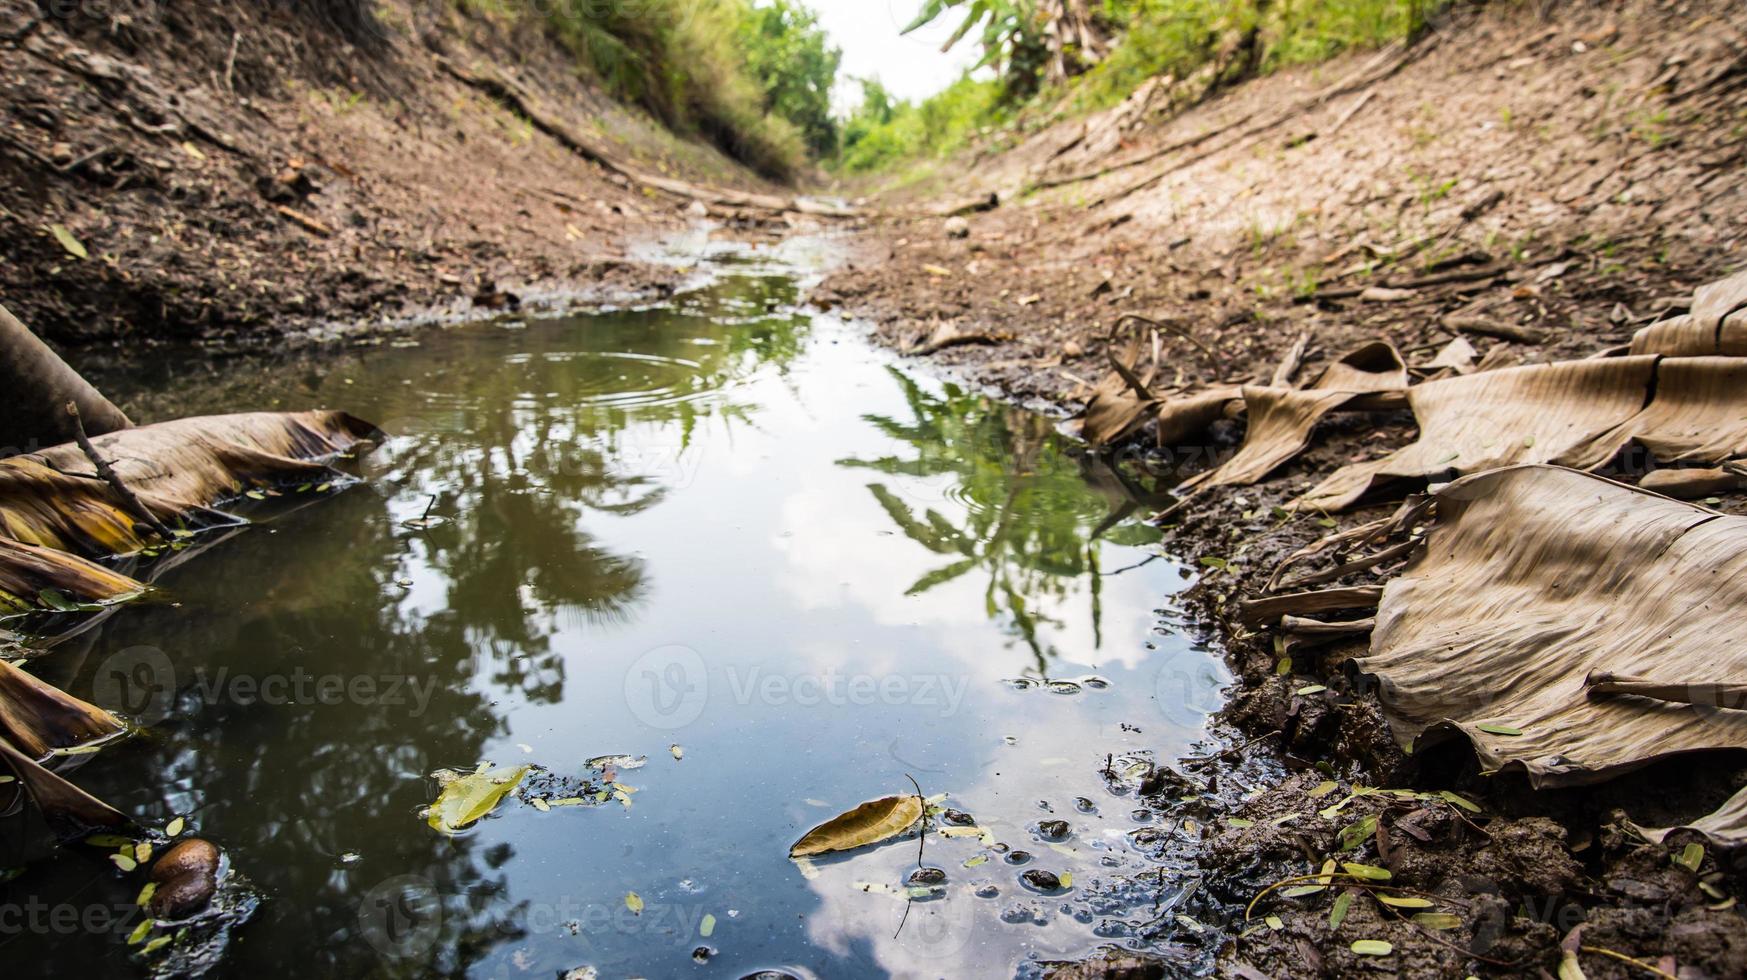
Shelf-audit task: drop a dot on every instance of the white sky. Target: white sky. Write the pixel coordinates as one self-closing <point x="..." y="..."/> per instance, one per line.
<point x="910" y="66"/>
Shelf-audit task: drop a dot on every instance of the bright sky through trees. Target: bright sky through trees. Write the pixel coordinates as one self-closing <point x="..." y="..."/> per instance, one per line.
<point x="910" y="66"/>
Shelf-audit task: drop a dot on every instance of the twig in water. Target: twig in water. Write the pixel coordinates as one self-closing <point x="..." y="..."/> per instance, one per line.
<point x="110" y="477"/>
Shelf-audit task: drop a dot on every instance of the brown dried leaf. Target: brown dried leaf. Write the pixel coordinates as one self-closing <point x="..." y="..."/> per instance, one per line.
<point x="869" y="823"/>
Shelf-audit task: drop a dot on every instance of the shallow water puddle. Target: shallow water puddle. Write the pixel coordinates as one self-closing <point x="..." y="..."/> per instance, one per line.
<point x="727" y="539"/>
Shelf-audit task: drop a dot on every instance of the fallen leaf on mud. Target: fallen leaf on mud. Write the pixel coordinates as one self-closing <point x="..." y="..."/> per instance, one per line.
<point x="1281" y="419"/>
<point x="466" y="799"/>
<point x="1404" y="902"/>
<point x="1338" y="914"/>
<point x="1492" y="632"/>
<point x="1372" y="947"/>
<point x="1369" y="872"/>
<point x="1437" y="920"/>
<point x="869" y="823"/>
<point x="69" y="242"/>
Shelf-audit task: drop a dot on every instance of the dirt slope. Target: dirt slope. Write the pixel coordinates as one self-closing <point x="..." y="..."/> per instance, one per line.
<point x="243" y="169"/>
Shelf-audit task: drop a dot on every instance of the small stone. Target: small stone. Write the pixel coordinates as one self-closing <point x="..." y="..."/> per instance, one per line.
<point x="987" y="891"/>
<point x="1042" y="880"/>
<point x="959" y="818"/>
<point x="958" y="228"/>
<point x="1053" y="829"/>
<point x="192" y="856"/>
<point x="702" y="954"/>
<point x="1019" y="857"/>
<point x="181" y="897"/>
<point x="928" y="876"/>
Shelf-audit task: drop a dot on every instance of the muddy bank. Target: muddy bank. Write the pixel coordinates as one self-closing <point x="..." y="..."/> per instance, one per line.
<point x="243" y="172"/>
<point x="1538" y="188"/>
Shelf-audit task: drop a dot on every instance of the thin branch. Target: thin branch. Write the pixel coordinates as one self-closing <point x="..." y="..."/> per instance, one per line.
<point x="110" y="477"/>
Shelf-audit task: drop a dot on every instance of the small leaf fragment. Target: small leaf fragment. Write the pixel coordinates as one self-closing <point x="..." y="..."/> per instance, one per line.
<point x="1404" y="901"/>
<point x="1452" y="798"/>
<point x="1338" y="914"/>
<point x="69" y="241"/>
<point x="1369" y="872"/>
<point x="707" y="926"/>
<point x="1372" y="947"/>
<point x="1437" y="920"/>
<point x="1691" y="856"/>
<point x="1505" y="730"/>
<point x="634" y="902"/>
<point x="175" y="827"/>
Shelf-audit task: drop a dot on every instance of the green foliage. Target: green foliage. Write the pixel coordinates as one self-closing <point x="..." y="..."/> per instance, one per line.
<point x="1224" y="39"/>
<point x="1180" y="37"/>
<point x="741" y="74"/>
<point x="882" y="132"/>
<point x="788" y="54"/>
<point x="1011" y="34"/>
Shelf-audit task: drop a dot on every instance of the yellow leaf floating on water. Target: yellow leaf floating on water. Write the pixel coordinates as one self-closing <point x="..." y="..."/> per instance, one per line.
<point x="465" y="800"/>
<point x="707" y="926"/>
<point x="869" y="823"/>
<point x="634" y="902"/>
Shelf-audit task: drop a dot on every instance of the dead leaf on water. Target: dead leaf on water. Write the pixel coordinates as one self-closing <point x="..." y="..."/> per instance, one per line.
<point x="869" y="823"/>
<point x="465" y="800"/>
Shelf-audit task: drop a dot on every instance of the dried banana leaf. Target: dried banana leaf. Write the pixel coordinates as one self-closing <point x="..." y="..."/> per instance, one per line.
<point x="56" y="499"/>
<point x="1281" y="419"/>
<point x="869" y="823"/>
<point x="1533" y="579"/>
<point x="1535" y="414"/>
<point x="1716" y="325"/>
<point x="30" y="572"/>
<point x="1727" y="825"/>
<point x="38" y="718"/>
<point x="71" y="811"/>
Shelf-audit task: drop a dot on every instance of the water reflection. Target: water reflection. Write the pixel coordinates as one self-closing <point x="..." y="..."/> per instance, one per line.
<point x="1027" y="524"/>
<point x="727" y="479"/>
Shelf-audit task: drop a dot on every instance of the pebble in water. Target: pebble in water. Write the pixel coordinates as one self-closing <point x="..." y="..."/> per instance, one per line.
<point x="1053" y="829"/>
<point x="928" y="876"/>
<point x="1042" y="880"/>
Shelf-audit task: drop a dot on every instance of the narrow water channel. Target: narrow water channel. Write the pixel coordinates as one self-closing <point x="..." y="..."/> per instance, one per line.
<point x="729" y="526"/>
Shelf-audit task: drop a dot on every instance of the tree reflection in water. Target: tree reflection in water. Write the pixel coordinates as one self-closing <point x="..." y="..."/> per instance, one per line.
<point x="525" y="445"/>
<point x="1023" y="518"/>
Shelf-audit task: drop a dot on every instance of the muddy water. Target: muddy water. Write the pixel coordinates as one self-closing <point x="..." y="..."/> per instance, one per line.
<point x="726" y="525"/>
